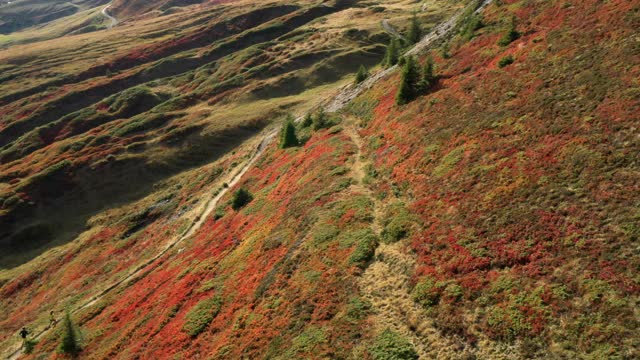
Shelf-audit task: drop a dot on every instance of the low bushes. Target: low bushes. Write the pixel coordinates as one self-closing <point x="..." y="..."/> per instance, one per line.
<point x="366" y="245"/>
<point x="201" y="315"/>
<point x="240" y="199"/>
<point x="390" y="345"/>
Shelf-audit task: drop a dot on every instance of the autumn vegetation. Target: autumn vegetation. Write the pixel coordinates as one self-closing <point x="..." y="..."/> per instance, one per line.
<point x="497" y="173"/>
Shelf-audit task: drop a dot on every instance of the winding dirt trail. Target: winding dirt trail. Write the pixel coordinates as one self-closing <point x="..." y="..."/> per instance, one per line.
<point x="140" y="271"/>
<point x="113" y="21"/>
<point x="385" y="281"/>
<point x="391" y="30"/>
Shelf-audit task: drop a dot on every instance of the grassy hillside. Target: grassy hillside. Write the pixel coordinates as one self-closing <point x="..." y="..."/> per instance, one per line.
<point x="522" y="178"/>
<point x="20" y="14"/>
<point x="126" y="107"/>
<point x="493" y="216"/>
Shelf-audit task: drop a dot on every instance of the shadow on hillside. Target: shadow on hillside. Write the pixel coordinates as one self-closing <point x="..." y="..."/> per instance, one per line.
<point x="54" y="221"/>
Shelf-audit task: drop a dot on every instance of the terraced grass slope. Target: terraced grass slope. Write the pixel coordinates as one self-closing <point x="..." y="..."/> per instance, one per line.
<point x="492" y="217"/>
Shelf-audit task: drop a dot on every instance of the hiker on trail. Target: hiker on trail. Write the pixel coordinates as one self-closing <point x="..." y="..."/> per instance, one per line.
<point x="23" y="333"/>
<point x="52" y="319"/>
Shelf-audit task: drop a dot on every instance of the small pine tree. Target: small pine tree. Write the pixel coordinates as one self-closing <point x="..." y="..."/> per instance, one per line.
<point x="321" y="120"/>
<point x="70" y="340"/>
<point x="511" y="35"/>
<point x="29" y="345"/>
<point x="288" y="136"/>
<point x="415" y="30"/>
<point x="392" y="54"/>
<point x="409" y="82"/>
<point x="307" y="121"/>
<point x="362" y="74"/>
<point x="444" y="51"/>
<point x="241" y="198"/>
<point x="428" y="77"/>
<point x="472" y="23"/>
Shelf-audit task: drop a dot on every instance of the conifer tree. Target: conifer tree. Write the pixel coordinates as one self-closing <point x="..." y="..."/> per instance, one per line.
<point x="288" y="136"/>
<point x="70" y="342"/>
<point x="409" y="82"/>
<point x="321" y="120"/>
<point x="308" y="120"/>
<point x="428" y="77"/>
<point x="415" y="30"/>
<point x="392" y="54"/>
<point x="362" y="74"/>
<point x="444" y="51"/>
<point x="511" y="35"/>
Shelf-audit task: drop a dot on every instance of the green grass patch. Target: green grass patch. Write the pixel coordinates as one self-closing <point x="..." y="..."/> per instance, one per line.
<point x="366" y="244"/>
<point x="427" y="292"/>
<point x="506" y="61"/>
<point x="449" y="161"/>
<point x="201" y="315"/>
<point x="397" y="224"/>
<point x="390" y="345"/>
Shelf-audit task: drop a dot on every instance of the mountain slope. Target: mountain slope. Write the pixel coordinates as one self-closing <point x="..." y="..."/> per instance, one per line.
<point x="493" y="217"/>
<point x="523" y="181"/>
<point x="178" y="92"/>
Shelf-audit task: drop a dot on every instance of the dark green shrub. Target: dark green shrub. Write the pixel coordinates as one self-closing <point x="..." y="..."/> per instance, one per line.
<point x="505" y="61"/>
<point x="241" y="198"/>
<point x="389" y="345"/>
<point x="201" y="316"/>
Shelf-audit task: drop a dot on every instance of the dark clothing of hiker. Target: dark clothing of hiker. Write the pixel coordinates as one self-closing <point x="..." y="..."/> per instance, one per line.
<point x="24" y="332"/>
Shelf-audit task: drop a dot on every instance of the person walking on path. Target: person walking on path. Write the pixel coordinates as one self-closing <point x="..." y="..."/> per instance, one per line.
<point x="52" y="319"/>
<point x="24" y="333"/>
